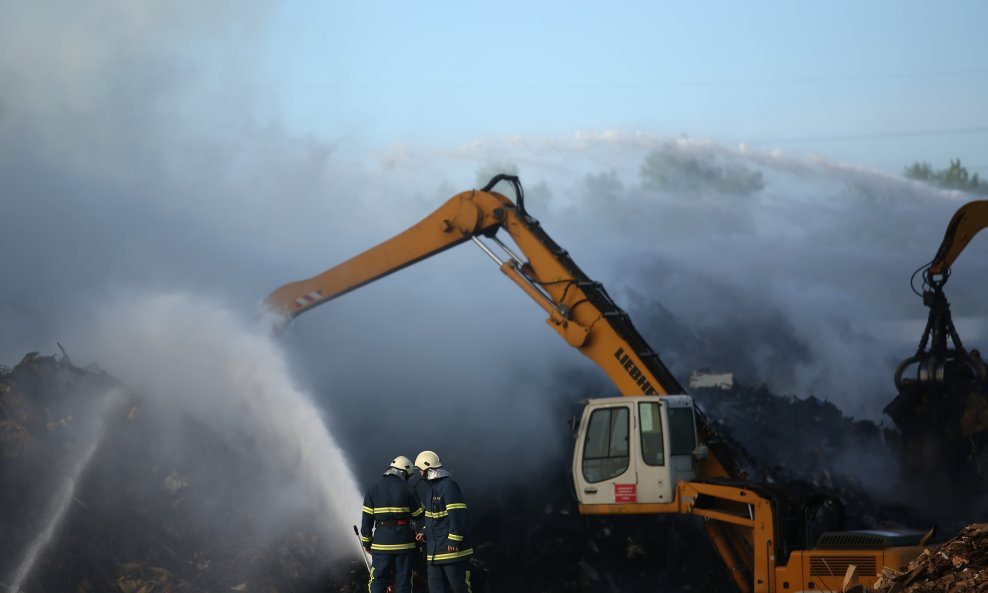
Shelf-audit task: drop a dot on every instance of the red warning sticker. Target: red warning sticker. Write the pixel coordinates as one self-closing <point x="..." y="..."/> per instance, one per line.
<point x="625" y="493"/>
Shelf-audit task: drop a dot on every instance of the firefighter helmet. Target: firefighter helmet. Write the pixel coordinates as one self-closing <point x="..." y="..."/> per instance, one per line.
<point x="403" y="463"/>
<point x="427" y="460"/>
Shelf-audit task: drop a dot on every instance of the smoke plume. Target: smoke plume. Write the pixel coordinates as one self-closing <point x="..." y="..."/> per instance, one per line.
<point x="143" y="162"/>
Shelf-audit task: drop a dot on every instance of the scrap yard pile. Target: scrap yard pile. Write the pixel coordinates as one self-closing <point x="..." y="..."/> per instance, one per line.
<point x="139" y="517"/>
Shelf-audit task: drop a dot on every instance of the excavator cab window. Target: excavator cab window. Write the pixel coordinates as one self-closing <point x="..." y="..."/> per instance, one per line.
<point x="605" y="450"/>
<point x="653" y="451"/>
<point x="682" y="431"/>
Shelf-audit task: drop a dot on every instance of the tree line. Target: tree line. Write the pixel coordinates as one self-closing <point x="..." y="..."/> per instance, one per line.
<point x="955" y="176"/>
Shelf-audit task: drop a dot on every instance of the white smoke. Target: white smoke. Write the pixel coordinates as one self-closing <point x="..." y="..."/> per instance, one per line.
<point x="798" y="265"/>
<point x="137" y="151"/>
<point x="194" y="360"/>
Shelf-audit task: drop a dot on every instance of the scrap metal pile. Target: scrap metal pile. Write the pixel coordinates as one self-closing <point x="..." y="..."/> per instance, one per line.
<point x="957" y="566"/>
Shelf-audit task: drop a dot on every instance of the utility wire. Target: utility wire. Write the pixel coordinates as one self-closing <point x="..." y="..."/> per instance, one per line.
<point x="567" y="85"/>
<point x="873" y="136"/>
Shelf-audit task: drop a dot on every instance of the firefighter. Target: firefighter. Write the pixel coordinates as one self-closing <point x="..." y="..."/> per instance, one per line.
<point x="447" y="531"/>
<point x="388" y="528"/>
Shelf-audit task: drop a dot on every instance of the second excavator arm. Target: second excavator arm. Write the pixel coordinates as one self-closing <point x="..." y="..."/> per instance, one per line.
<point x="967" y="222"/>
<point x="940" y="345"/>
<point x="942" y="400"/>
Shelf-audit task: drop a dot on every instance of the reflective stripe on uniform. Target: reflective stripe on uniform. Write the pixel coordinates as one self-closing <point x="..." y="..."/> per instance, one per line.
<point x="382" y="510"/>
<point x="367" y="510"/>
<point x="450" y="555"/>
<point x="455" y="538"/>
<point x="449" y="507"/>
<point x="418" y="512"/>
<point x="365" y="539"/>
<point x="389" y="547"/>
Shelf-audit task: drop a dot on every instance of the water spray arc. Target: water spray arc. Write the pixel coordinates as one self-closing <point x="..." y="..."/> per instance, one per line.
<point x="235" y="381"/>
<point x="64" y="495"/>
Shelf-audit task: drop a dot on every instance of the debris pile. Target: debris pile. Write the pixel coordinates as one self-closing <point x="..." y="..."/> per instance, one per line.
<point x="957" y="566"/>
<point x="146" y="512"/>
<point x="811" y="439"/>
<point x="820" y="441"/>
<point x="948" y="428"/>
<point x="145" y="516"/>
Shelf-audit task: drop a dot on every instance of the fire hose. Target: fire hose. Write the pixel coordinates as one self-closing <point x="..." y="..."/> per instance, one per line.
<point x="363" y="552"/>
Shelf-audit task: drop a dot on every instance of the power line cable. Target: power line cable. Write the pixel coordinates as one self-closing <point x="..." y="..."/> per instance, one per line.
<point x="873" y="136"/>
<point x="549" y="85"/>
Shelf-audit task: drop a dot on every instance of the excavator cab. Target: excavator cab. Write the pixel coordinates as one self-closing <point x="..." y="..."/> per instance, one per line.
<point x="635" y="449"/>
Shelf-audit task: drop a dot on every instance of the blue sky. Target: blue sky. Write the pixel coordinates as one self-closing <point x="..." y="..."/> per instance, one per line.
<point x="880" y="84"/>
<point x="149" y="145"/>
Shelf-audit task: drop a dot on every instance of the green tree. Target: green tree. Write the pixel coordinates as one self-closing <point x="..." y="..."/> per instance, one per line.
<point x="920" y="171"/>
<point x="674" y="169"/>
<point x="956" y="176"/>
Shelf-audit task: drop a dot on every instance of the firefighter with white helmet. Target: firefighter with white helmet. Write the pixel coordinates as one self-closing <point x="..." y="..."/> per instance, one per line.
<point x="447" y="530"/>
<point x="387" y="528"/>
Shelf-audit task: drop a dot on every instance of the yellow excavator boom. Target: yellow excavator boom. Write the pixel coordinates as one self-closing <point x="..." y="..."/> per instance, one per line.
<point x="740" y="518"/>
<point x="965" y="224"/>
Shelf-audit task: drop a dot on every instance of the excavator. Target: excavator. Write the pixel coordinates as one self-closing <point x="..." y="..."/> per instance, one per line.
<point x="649" y="450"/>
<point x="942" y="402"/>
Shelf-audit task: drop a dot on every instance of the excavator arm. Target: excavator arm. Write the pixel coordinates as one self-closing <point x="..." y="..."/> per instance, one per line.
<point x="751" y="526"/>
<point x="578" y="309"/>
<point x="464" y="216"/>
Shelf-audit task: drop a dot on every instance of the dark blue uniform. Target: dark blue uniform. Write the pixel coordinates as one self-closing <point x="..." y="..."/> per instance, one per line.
<point x="447" y="526"/>
<point x="386" y="527"/>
